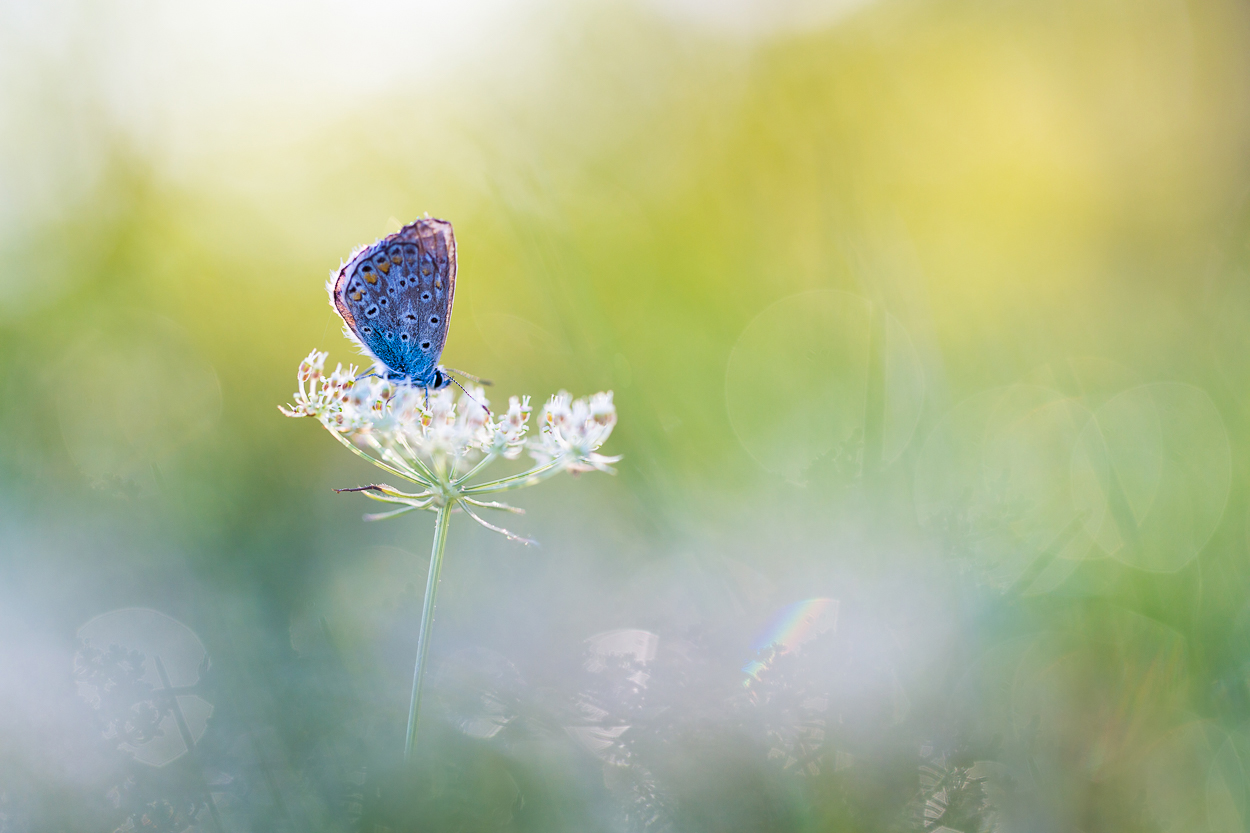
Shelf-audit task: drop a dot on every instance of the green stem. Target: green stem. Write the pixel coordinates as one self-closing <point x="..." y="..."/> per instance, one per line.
<point x="486" y="461"/>
<point x="417" y="463"/>
<point x="427" y="622"/>
<point x="517" y="481"/>
<point x="382" y="464"/>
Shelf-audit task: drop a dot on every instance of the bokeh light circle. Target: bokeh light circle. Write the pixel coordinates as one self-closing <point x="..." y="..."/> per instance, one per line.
<point x="157" y="636"/>
<point x="1158" y="457"/>
<point x="992" y="484"/>
<point x="809" y="383"/>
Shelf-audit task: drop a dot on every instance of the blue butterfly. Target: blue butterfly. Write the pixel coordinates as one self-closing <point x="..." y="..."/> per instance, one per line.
<point x="395" y="298"/>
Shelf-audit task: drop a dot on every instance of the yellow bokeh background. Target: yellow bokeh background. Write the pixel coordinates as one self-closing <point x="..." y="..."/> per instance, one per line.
<point x="938" y="309"/>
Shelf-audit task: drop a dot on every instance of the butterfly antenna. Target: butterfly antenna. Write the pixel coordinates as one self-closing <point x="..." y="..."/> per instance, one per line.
<point x="469" y="376"/>
<point x="466" y="393"/>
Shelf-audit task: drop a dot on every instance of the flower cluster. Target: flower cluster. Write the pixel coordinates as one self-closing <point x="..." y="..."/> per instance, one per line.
<point x="440" y="441"/>
<point x="574" y="431"/>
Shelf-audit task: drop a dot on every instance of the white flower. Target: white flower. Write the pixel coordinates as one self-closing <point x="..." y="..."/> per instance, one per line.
<point x="509" y="440"/>
<point x="572" y="432"/>
<point x="308" y="397"/>
<point x="443" y="441"/>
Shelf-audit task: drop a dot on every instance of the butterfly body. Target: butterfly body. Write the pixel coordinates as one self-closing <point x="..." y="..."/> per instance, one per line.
<point x="395" y="298"/>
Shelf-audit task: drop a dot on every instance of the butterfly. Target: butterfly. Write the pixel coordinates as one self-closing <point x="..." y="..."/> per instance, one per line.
<point x="395" y="298"/>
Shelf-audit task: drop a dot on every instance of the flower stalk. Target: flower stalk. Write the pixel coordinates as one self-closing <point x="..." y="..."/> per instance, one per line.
<point x="427" y="622"/>
<point x="429" y="440"/>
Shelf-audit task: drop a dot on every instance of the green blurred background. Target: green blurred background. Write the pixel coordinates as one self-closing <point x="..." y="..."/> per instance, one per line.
<point x="934" y="310"/>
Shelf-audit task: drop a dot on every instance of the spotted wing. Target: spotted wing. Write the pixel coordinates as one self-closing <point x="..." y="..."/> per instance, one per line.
<point x="396" y="296"/>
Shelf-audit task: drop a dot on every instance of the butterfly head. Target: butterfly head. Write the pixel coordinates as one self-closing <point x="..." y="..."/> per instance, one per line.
<point x="436" y="380"/>
<point x="440" y="379"/>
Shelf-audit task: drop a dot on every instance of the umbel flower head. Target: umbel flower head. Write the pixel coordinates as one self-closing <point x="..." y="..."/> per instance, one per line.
<point x="443" y="442"/>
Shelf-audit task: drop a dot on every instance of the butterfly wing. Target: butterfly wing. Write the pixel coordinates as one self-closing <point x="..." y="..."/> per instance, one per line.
<point x="396" y="296"/>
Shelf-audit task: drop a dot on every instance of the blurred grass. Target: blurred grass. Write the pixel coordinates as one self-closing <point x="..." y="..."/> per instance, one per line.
<point x="1050" y="194"/>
